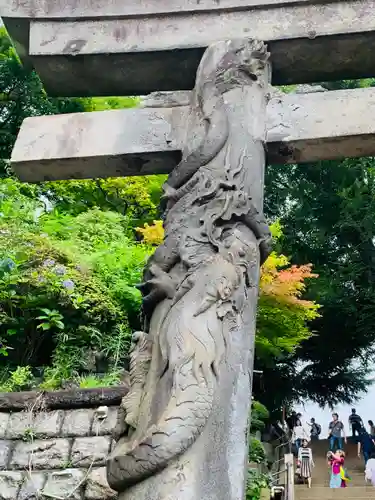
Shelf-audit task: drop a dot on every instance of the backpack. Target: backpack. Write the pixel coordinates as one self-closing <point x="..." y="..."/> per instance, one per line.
<point x="318" y="429"/>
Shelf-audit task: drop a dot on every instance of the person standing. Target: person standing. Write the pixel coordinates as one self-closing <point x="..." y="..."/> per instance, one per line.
<point x="305" y="461"/>
<point x="315" y="430"/>
<point x="336" y="433"/>
<point x="355" y="422"/>
<point x="370" y="469"/>
<point x="366" y="445"/>
<point x="292" y="420"/>
<point x="299" y="434"/>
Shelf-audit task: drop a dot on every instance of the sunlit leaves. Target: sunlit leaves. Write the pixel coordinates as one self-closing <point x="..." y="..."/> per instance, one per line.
<point x="152" y="234"/>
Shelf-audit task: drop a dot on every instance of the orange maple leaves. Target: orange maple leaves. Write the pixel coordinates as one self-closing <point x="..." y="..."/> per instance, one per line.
<point x="287" y="284"/>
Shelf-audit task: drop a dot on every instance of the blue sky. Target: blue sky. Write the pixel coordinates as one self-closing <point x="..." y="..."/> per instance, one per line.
<point x="365" y="408"/>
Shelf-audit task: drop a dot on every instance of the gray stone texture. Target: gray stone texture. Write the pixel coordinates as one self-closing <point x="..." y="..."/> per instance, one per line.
<point x="41" y="454"/>
<point x="41" y="441"/>
<point x="77" y="423"/>
<point x="97" y="486"/>
<point x="5" y="451"/>
<point x="309" y="42"/>
<point x="66" y="484"/>
<point x="300" y="128"/>
<point x="48" y="424"/>
<point x="20" y="425"/>
<point x="90" y="451"/>
<point x="72" y="9"/>
<point x="32" y="486"/>
<point x="4" y="419"/>
<point x="190" y="440"/>
<point x="103" y="427"/>
<point x="10" y="483"/>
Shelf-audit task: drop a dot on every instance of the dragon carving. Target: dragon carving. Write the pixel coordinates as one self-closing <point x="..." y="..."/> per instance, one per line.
<point x="197" y="281"/>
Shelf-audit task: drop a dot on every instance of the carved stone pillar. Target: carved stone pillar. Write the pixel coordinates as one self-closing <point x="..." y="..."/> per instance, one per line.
<point x="183" y="426"/>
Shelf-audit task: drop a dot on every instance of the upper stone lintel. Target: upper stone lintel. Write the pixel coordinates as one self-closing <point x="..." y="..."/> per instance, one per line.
<point x="82" y="48"/>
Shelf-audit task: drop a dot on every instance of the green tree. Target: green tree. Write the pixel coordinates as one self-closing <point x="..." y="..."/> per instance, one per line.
<point x="327" y="212"/>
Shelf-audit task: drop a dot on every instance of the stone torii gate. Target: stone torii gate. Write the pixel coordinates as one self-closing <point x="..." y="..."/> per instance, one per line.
<point x="182" y="431"/>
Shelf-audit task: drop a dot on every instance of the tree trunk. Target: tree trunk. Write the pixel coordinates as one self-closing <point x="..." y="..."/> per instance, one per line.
<point x="186" y="415"/>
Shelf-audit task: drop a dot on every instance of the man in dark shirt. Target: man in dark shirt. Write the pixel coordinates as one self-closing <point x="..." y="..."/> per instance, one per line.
<point x="365" y="444"/>
<point x="355" y="422"/>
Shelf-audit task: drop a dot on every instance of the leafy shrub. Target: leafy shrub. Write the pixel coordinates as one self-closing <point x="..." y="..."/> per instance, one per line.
<point x="66" y="292"/>
<point x="256" y="451"/>
<point x="259" y="415"/>
<point x="255" y="483"/>
<point x="17" y="380"/>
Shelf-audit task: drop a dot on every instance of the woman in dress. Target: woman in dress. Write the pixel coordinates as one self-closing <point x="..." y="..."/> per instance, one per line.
<point x="336" y="461"/>
<point x="305" y="461"/>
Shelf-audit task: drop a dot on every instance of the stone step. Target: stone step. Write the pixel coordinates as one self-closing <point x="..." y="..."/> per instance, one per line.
<point x="325" y="493"/>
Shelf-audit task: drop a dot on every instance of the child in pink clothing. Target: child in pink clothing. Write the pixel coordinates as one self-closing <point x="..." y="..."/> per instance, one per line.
<point x="336" y="461"/>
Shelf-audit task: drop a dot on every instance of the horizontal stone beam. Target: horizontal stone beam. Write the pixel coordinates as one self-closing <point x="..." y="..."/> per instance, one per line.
<point x="301" y="128"/>
<point x="62" y="400"/>
<point x="73" y="9"/>
<point x="91" y="47"/>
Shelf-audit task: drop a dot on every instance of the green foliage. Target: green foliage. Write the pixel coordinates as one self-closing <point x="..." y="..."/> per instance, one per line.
<point x="256" y="451"/>
<point x="135" y="197"/>
<point x="67" y="275"/>
<point x="16" y="380"/>
<point x="50" y="319"/>
<point x="255" y="484"/>
<point x="28" y="435"/>
<point x="259" y="416"/>
<point x="92" y="381"/>
<point x="66" y="288"/>
<point x="327" y="212"/>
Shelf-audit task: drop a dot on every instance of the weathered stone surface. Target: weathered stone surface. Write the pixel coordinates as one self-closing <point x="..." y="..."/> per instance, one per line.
<point x="41" y="454"/>
<point x="97" y="486"/>
<point x="32" y="486"/>
<point x="191" y="401"/>
<point x="142" y="133"/>
<point x="20" y="425"/>
<point x="5" y="450"/>
<point x="67" y="484"/>
<point x="300" y="128"/>
<point x="77" y="423"/>
<point x="101" y="8"/>
<point x="48" y="423"/>
<point x="56" y="400"/>
<point x="90" y="451"/>
<point x="309" y="42"/>
<point x="166" y="99"/>
<point x="4" y="419"/>
<point x="101" y="427"/>
<point x="10" y="483"/>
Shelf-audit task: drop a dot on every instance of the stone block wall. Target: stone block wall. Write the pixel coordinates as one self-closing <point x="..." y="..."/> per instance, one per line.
<point x="49" y="451"/>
